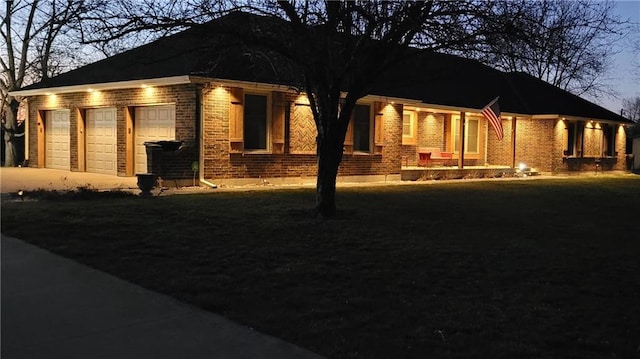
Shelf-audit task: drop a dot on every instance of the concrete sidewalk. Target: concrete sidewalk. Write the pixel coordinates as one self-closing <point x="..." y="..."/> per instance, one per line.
<point x="53" y="307"/>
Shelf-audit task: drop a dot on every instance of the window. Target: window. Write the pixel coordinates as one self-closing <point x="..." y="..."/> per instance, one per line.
<point x="472" y="135"/>
<point x="408" y="128"/>
<point x="255" y="122"/>
<point x="365" y="132"/>
<point x="575" y="139"/>
<point x="609" y="139"/>
<point x="362" y="128"/>
<point x="407" y="124"/>
<point x="570" y="138"/>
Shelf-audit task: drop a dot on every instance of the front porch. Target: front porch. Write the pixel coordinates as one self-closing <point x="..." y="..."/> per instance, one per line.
<point x="418" y="173"/>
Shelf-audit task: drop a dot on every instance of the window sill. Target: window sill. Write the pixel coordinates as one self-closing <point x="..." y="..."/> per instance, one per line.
<point x="364" y="154"/>
<point x="256" y="152"/>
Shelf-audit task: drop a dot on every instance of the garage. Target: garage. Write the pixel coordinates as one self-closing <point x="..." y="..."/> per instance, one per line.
<point x="57" y="140"/>
<point x="101" y="141"/>
<point x="152" y="123"/>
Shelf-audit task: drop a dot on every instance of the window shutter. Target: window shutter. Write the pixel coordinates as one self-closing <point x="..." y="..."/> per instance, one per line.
<point x="236" y="136"/>
<point x="348" y="138"/>
<point x="277" y="122"/>
<point x="378" y="125"/>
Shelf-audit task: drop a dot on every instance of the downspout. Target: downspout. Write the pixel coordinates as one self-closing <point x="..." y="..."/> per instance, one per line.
<point x="27" y="122"/>
<point x="200" y="135"/>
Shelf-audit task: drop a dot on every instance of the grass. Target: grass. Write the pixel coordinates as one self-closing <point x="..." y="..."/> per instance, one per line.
<point x="496" y="269"/>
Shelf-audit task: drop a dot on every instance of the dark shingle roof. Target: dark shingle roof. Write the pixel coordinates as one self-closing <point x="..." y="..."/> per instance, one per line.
<point x="448" y="80"/>
<point x="199" y="51"/>
<point x="431" y="78"/>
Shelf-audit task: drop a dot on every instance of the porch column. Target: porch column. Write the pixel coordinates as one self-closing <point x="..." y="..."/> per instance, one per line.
<point x="513" y="142"/>
<point x="461" y="141"/>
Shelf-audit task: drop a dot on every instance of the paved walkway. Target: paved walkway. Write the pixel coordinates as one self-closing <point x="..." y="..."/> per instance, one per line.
<point x="53" y="307"/>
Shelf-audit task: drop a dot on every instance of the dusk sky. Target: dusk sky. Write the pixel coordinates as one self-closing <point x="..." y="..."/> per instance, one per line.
<point x="626" y="67"/>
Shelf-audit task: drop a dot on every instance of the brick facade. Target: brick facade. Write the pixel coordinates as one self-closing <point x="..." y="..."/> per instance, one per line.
<point x="204" y="113"/>
<point x="298" y="158"/>
<point x="183" y="97"/>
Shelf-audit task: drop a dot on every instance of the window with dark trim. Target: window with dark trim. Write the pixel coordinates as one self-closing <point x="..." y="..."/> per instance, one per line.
<point x="609" y="139"/>
<point x="569" y="146"/>
<point x="255" y="122"/>
<point x="362" y="128"/>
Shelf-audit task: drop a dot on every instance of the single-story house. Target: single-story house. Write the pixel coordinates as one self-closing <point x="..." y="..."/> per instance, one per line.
<point x="225" y="117"/>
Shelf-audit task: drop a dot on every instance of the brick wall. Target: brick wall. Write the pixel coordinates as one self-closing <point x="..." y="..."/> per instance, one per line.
<point x="592" y="149"/>
<point x="621" y="142"/>
<point x="299" y="158"/>
<point x="535" y="143"/>
<point x="430" y="132"/>
<point x="500" y="152"/>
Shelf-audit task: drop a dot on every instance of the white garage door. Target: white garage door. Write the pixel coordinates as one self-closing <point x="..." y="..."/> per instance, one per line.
<point x="57" y="140"/>
<point x="152" y="123"/>
<point x="101" y="141"/>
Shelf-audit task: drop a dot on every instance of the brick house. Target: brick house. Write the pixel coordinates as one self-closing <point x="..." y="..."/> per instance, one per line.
<point x="238" y="120"/>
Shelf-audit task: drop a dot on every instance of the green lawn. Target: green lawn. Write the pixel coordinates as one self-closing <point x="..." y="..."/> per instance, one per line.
<point x="496" y="269"/>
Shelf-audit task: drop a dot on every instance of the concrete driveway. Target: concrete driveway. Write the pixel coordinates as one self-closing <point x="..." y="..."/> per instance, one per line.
<point x="13" y="179"/>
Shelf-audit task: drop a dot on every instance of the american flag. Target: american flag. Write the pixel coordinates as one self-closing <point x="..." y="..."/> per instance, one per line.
<point x="492" y="113"/>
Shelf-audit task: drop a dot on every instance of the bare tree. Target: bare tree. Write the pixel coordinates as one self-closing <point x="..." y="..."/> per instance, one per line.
<point x="338" y="48"/>
<point x="332" y="44"/>
<point x="124" y="24"/>
<point x="631" y="108"/>
<point x="569" y="44"/>
<point x="37" y="44"/>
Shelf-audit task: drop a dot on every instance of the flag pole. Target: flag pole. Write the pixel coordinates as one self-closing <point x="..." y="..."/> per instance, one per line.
<point x="461" y="140"/>
<point x="486" y="142"/>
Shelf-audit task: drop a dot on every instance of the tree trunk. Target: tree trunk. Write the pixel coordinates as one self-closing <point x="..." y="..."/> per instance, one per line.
<point x="329" y="158"/>
<point x="9" y="127"/>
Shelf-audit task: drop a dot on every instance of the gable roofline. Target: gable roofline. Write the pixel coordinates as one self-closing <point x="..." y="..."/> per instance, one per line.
<point x="185" y="79"/>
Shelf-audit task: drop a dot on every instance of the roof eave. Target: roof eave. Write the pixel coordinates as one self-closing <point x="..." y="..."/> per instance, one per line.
<point x="574" y="118"/>
<point x="162" y="81"/>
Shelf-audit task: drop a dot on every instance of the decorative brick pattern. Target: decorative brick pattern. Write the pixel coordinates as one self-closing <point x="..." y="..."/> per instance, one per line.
<point x="303" y="131"/>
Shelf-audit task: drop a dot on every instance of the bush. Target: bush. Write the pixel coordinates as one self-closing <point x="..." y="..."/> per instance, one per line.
<point x="80" y="193"/>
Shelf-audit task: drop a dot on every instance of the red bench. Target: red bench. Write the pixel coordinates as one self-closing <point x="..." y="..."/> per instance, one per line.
<point x="426" y="156"/>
